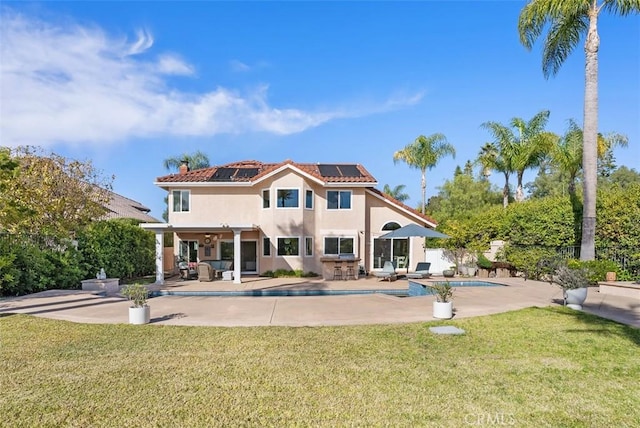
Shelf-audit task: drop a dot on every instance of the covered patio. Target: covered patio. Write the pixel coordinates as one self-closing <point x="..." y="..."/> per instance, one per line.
<point x="208" y="233"/>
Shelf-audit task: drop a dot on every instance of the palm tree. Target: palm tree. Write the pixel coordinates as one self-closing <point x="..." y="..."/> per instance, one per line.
<point x="492" y="158"/>
<point x="424" y="153"/>
<point x="567" y="21"/>
<point x="523" y="149"/>
<point x="397" y="192"/>
<point x="567" y="154"/>
<point x="196" y="160"/>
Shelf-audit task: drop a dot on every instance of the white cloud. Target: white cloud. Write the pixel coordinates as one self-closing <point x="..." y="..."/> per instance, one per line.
<point x="238" y="66"/>
<point x="77" y="85"/>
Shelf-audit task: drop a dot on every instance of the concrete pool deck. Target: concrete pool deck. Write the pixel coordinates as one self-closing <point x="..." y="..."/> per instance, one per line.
<point x="88" y="307"/>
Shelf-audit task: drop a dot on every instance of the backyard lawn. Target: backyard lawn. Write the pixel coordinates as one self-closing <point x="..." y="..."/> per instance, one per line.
<point x="533" y="367"/>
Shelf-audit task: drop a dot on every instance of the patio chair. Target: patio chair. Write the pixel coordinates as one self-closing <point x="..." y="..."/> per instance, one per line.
<point x="186" y="272"/>
<point x="205" y="272"/>
<point x="387" y="273"/>
<point x="422" y="271"/>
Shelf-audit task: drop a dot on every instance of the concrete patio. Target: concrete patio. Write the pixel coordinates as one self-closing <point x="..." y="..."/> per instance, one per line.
<point x="87" y="307"/>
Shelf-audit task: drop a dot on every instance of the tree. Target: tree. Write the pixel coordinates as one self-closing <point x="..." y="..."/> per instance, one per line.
<point x="567" y="21"/>
<point x="52" y="195"/>
<point x="492" y="158"/>
<point x="567" y="154"/>
<point x="425" y="153"/>
<point x="397" y="192"/>
<point x="197" y="160"/>
<point x="461" y="198"/>
<point x="520" y="150"/>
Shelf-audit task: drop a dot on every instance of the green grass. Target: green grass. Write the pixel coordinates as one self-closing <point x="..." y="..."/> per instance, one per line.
<point x="534" y="367"/>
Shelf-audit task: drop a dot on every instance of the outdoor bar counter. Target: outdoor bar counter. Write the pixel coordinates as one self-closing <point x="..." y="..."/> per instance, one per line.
<point x="329" y="265"/>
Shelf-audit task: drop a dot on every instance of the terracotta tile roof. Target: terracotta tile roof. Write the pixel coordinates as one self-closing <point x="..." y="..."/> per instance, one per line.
<point x="406" y="207"/>
<point x="251" y="170"/>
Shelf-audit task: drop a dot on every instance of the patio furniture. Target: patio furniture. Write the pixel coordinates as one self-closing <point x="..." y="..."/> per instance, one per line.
<point x="401" y="262"/>
<point x="205" y="272"/>
<point x="337" y="270"/>
<point x="187" y="272"/>
<point x="351" y="271"/>
<point x="387" y="273"/>
<point x="422" y="271"/>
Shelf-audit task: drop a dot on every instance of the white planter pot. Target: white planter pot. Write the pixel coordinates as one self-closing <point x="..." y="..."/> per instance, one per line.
<point x="575" y="298"/>
<point x="139" y="315"/>
<point x="443" y="310"/>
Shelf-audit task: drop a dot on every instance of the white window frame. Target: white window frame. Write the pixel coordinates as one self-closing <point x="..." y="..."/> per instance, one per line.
<point x="307" y="239"/>
<point x="173" y="197"/>
<point x="287" y="188"/>
<point x="339" y="192"/>
<point x="312" y="199"/>
<point x="268" y="200"/>
<point x="324" y="244"/>
<point x="278" y="238"/>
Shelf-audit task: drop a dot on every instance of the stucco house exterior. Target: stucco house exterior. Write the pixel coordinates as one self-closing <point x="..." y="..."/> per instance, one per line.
<point x="288" y="215"/>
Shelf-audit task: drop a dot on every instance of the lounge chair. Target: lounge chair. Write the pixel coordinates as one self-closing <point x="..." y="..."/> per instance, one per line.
<point x="422" y="271"/>
<point x="388" y="272"/>
<point x="205" y="272"/>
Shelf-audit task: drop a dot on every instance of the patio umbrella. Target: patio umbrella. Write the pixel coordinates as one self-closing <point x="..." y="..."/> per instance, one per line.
<point x="413" y="230"/>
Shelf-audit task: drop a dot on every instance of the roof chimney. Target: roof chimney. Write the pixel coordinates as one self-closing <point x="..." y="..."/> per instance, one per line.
<point x="184" y="166"/>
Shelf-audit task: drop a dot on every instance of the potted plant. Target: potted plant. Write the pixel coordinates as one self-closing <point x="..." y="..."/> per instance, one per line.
<point x="574" y="283"/>
<point x="449" y="273"/>
<point x="442" y="306"/>
<point x="139" y="312"/>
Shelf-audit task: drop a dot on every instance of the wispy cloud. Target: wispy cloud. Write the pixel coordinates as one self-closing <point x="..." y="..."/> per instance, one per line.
<point x="76" y="84"/>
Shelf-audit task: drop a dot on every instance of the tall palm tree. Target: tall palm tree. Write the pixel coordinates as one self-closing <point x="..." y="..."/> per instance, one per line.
<point x="425" y="153"/>
<point x="523" y="149"/>
<point x="197" y="160"/>
<point x="397" y="192"/>
<point x="567" y="21"/>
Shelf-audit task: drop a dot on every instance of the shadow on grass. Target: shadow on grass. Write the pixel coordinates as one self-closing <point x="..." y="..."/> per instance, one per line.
<point x="599" y="324"/>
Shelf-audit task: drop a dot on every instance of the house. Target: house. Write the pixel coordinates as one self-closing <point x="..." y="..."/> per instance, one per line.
<point x="288" y="215"/>
<point x="122" y="207"/>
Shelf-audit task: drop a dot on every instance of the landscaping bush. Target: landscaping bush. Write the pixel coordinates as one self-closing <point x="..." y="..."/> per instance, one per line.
<point x="119" y="246"/>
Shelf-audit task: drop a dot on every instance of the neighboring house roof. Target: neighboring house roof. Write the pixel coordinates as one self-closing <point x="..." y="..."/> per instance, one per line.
<point x="251" y="172"/>
<point x="122" y="207"/>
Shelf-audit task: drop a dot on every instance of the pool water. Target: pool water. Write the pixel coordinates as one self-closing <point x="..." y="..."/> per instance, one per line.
<point x="417" y="289"/>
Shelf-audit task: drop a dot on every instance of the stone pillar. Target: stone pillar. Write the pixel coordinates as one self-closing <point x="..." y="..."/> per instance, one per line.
<point x="236" y="256"/>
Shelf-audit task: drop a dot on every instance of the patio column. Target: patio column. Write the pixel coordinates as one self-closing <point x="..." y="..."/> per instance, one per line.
<point x="159" y="257"/>
<point x="236" y="256"/>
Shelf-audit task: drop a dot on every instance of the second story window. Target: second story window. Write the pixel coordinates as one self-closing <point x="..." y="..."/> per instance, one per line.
<point x="181" y="201"/>
<point x="266" y="198"/>
<point x="339" y="199"/>
<point x="308" y="199"/>
<point x="287" y="198"/>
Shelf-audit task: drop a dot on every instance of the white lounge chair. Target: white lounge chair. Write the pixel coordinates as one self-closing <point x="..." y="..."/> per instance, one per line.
<point x="387" y="273"/>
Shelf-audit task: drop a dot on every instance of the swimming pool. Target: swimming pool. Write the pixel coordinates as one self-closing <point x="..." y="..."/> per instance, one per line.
<point x="418" y="289"/>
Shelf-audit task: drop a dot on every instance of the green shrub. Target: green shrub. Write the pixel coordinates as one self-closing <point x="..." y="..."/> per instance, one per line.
<point x="596" y="269"/>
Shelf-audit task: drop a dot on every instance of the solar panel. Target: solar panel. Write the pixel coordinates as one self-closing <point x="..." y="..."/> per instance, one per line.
<point x="350" y="171"/>
<point x="329" y="170"/>
<point x="223" y="174"/>
<point x="246" y="172"/>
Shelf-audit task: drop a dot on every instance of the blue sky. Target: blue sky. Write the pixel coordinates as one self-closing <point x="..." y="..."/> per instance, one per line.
<point x="128" y="84"/>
